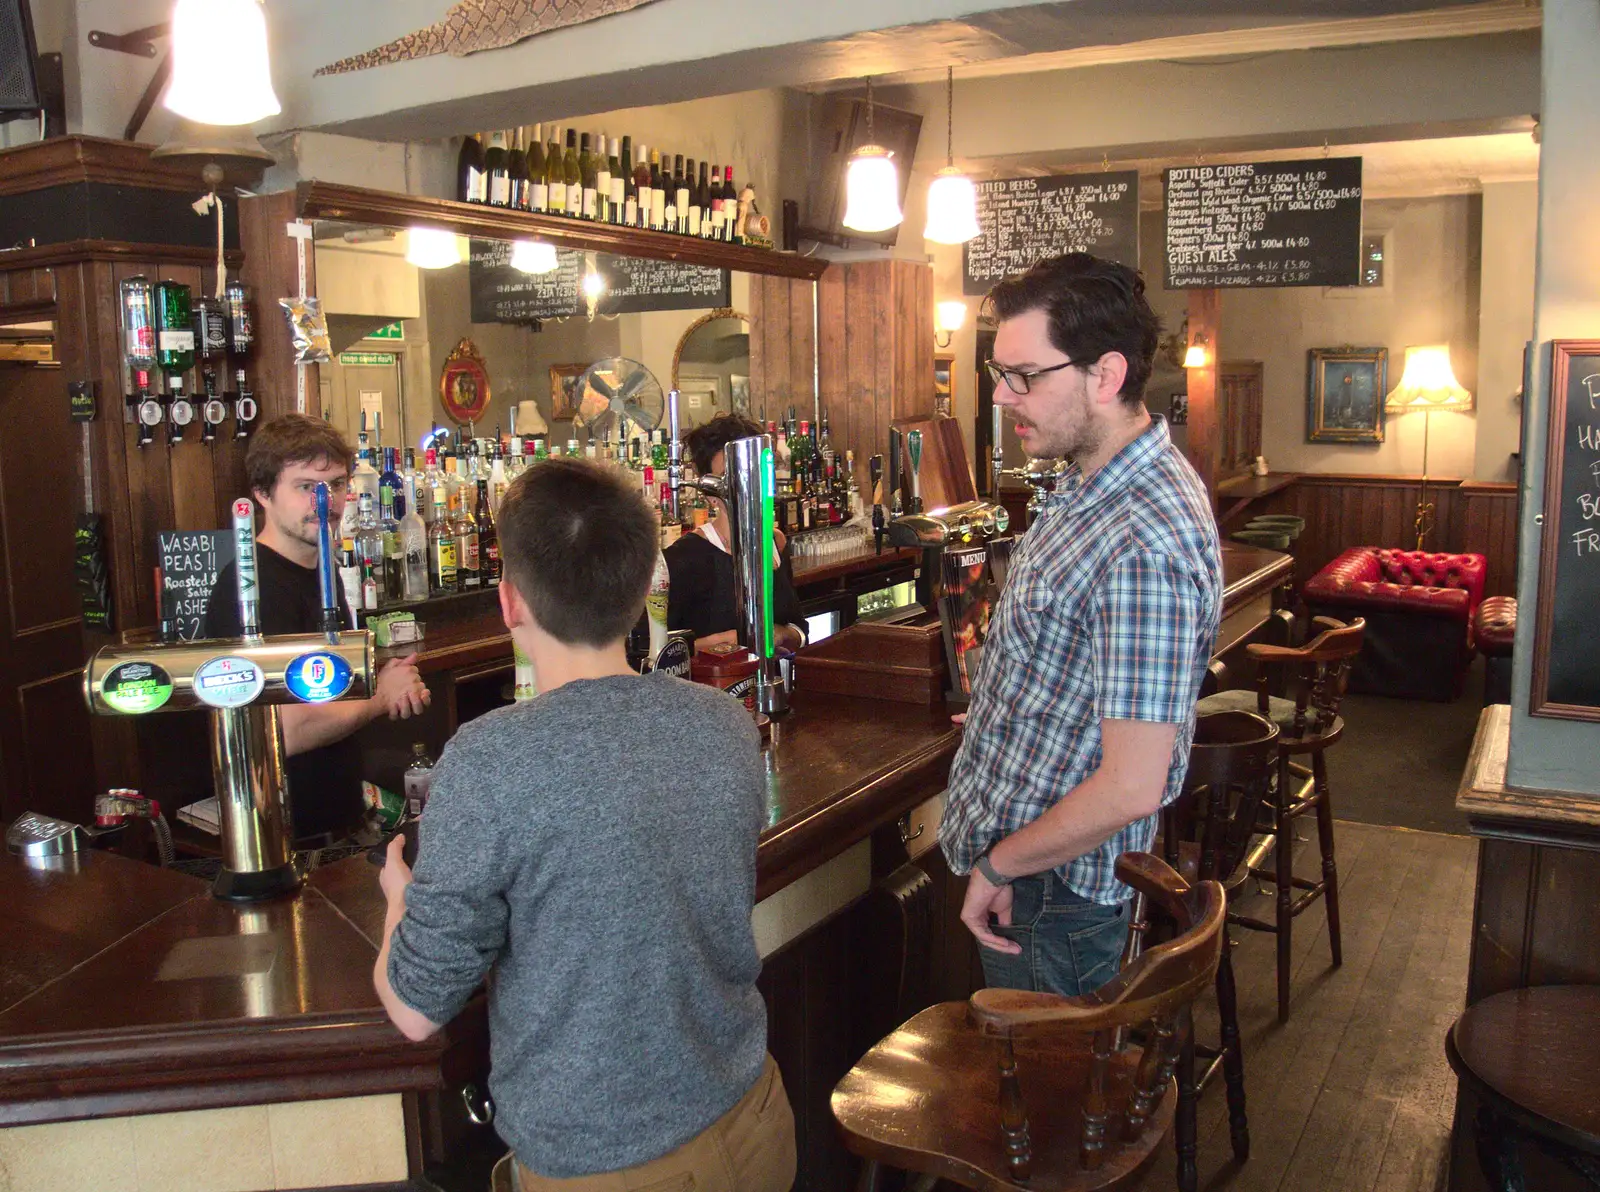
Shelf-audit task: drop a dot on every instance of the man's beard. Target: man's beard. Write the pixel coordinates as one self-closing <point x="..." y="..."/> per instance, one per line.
<point x="1076" y="443"/>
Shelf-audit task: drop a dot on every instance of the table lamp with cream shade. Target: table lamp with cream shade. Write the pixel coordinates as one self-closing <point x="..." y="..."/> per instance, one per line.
<point x="1428" y="384"/>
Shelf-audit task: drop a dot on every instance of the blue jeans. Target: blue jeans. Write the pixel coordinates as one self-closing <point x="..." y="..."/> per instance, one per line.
<point x="1070" y="945"/>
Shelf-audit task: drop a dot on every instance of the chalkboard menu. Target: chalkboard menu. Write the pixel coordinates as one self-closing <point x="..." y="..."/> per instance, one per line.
<point x="1023" y="220"/>
<point x="1566" y="657"/>
<point x="1271" y="223"/>
<point x="501" y="294"/>
<point x="190" y="563"/>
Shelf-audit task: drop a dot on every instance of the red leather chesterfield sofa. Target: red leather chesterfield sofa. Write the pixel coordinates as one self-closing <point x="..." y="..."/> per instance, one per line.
<point x="1419" y="609"/>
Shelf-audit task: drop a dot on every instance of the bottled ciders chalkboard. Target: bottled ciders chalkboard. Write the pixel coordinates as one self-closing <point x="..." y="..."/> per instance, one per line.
<point x="1024" y="220"/>
<point x="1270" y="223"/>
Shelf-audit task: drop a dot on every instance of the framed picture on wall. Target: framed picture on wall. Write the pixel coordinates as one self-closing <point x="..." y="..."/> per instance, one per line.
<point x="1345" y="388"/>
<point x="943" y="368"/>
<point x="564" y="390"/>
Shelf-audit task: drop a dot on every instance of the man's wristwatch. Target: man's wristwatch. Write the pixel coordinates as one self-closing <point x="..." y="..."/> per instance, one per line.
<point x="990" y="874"/>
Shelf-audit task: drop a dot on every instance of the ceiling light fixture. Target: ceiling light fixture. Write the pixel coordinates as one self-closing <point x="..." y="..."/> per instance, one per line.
<point x="432" y="248"/>
<point x="220" y="68"/>
<point x="952" y="199"/>
<point x="872" y="185"/>
<point x="534" y="256"/>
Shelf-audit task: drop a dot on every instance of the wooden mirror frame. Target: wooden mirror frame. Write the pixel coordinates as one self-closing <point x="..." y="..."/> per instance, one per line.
<point x="722" y="312"/>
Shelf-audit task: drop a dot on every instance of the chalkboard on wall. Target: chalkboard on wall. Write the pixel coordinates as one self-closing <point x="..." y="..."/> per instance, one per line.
<point x="501" y="294"/>
<point x="1566" y="654"/>
<point x="1023" y="220"/>
<point x="1270" y="223"/>
<point x="190" y="562"/>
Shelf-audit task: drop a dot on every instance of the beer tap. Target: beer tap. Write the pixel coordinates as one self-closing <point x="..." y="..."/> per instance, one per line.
<point x="875" y="467"/>
<point x="244" y="406"/>
<point x="212" y="411"/>
<point x="997" y="452"/>
<point x="325" y="572"/>
<point x="914" y="455"/>
<point x="147" y="407"/>
<point x="895" y="508"/>
<point x="180" y="410"/>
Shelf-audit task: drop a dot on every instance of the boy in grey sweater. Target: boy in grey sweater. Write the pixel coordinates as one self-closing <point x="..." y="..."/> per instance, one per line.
<point x="605" y="880"/>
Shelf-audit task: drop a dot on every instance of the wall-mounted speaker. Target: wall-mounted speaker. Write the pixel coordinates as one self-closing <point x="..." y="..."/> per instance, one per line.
<point x="19" y="81"/>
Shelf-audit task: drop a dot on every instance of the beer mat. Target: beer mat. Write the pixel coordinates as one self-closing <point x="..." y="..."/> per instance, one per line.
<point x="218" y="956"/>
<point x="204" y="815"/>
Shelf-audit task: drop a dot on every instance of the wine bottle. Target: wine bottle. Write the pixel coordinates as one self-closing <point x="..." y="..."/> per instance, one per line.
<point x="538" y="190"/>
<point x="494" y="160"/>
<point x="702" y="202"/>
<point x="680" y="192"/>
<point x="470" y="179"/>
<point x="602" y="182"/>
<point x="630" y="188"/>
<point x="689" y="222"/>
<point x="730" y="207"/>
<point x="590" y="178"/>
<point x="669" y="186"/>
<point x="572" y="172"/>
<point x="714" y="203"/>
<point x="641" y="183"/>
<point x="658" y="193"/>
<point x="555" y="176"/>
<point x="517" y="168"/>
<point x="617" y="185"/>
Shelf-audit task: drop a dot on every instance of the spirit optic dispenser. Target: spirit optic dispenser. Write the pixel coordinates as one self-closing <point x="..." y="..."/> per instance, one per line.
<point x="241" y="682"/>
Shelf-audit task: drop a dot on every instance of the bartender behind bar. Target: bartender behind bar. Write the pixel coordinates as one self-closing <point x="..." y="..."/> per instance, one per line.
<point x="288" y="457"/>
<point x="700" y="566"/>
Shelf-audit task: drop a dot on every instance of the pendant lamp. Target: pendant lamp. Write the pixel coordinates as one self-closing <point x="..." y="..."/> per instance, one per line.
<point x="952" y="199"/>
<point x="871" y="185"/>
<point x="220" y="71"/>
<point x="432" y="248"/>
<point x="533" y="256"/>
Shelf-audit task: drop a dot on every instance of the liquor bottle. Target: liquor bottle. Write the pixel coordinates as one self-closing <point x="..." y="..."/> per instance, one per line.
<point x="471" y="180"/>
<point x="428" y="479"/>
<point x="680" y="192"/>
<point x="602" y="182"/>
<point x="389" y="480"/>
<point x="414" y="551"/>
<point x="555" y="175"/>
<point x="589" y="176"/>
<point x="714" y="204"/>
<point x="538" y="189"/>
<point x="394" y="551"/>
<point x="365" y="478"/>
<point x="617" y="186"/>
<point x="441" y="548"/>
<point x="468" y="576"/>
<point x="500" y="477"/>
<point x="572" y="174"/>
<point x="494" y="161"/>
<point x="671" y="528"/>
<point x="350" y="579"/>
<point x="517" y="168"/>
<point x="630" y="189"/>
<point x="689" y="221"/>
<point x="418" y="780"/>
<point x="780" y="456"/>
<point x="138" y="325"/>
<point x="641" y="186"/>
<point x="658" y="193"/>
<point x="174" y="328"/>
<point x="488" y="537"/>
<point x="369" y="553"/>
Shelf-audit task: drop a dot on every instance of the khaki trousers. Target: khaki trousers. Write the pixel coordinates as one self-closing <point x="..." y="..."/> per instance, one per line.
<point x="748" y="1149"/>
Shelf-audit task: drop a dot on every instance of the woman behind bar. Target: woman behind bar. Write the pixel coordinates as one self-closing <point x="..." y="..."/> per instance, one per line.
<point x="701" y="567"/>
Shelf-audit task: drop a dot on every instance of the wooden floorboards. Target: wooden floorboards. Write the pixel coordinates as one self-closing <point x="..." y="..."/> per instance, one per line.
<point x="1353" y="1094"/>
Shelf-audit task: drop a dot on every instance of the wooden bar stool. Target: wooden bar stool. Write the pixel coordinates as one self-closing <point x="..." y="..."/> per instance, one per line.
<point x="1313" y="678"/>
<point x="1013" y="1087"/>
<point x="1205" y="834"/>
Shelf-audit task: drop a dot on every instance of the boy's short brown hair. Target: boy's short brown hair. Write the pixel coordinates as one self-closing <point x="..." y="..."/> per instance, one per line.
<point x="580" y="544"/>
<point x="290" y="439"/>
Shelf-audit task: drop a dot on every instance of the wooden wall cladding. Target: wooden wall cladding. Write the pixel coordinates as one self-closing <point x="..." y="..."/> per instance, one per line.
<point x="1346" y="510"/>
<point x="874" y="331"/>
<point x="271" y="270"/>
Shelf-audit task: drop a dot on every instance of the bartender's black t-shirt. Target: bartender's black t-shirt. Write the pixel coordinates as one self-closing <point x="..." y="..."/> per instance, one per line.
<point x="324" y="784"/>
<point x="700" y="597"/>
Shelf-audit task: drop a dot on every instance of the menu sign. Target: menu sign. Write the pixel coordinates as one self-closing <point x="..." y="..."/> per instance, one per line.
<point x="1566" y="659"/>
<point x="1023" y="220"/>
<point x="1270" y="223"/>
<point x="190" y="564"/>
<point x="501" y="294"/>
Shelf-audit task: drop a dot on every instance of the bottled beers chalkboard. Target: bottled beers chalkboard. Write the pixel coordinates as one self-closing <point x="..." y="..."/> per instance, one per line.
<point x="1023" y="220"/>
<point x="1270" y="223"/>
<point x="501" y="294"/>
<point x="1566" y="655"/>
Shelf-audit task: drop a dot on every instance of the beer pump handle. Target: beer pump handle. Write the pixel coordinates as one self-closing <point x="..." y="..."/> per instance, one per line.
<point x="997" y="453"/>
<point x="914" y="458"/>
<point x="875" y="467"/>
<point x="674" y="455"/>
<point x="894" y="472"/>
<point x="330" y="600"/>
<point x="244" y="557"/>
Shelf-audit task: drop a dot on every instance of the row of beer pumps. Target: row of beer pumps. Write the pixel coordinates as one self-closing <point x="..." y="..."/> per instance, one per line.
<point x="165" y="331"/>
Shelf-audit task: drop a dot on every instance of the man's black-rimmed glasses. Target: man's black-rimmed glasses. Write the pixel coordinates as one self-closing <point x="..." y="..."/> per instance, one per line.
<point x="1018" y="381"/>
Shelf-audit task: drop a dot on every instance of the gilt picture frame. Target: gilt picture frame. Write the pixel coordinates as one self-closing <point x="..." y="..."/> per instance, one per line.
<point x="564" y="390"/>
<point x="1345" y="389"/>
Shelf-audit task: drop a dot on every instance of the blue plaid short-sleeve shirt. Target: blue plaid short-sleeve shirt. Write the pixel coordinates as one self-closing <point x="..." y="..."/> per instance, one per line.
<point x="1109" y="612"/>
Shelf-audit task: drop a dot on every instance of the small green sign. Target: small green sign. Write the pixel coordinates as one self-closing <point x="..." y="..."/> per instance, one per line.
<point x="395" y="331"/>
<point x="380" y="359"/>
<point x="135" y="687"/>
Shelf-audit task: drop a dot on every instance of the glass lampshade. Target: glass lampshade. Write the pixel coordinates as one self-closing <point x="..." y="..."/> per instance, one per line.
<point x="1198" y="354"/>
<point x="949" y="316"/>
<point x="432" y="248"/>
<point x="533" y="256"/>
<point x="220" y="70"/>
<point x="1428" y="383"/>
<point x="872" y="191"/>
<point x="952" y="208"/>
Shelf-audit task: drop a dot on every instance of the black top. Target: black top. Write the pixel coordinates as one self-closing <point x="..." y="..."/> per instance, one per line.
<point x="701" y="596"/>
<point x="324" y="784"/>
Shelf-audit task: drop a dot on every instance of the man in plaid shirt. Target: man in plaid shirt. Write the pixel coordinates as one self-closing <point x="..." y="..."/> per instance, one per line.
<point x="1083" y="709"/>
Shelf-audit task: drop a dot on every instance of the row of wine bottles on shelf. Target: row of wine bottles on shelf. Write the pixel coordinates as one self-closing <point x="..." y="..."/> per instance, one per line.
<point x="600" y="180"/>
<point x="165" y="331"/>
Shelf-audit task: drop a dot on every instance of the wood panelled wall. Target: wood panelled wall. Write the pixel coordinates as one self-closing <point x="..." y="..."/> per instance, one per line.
<point x="1343" y="511"/>
<point x="874" y="323"/>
